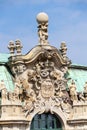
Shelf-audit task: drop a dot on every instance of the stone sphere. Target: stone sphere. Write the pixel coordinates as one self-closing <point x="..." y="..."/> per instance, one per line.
<point x="42" y="18"/>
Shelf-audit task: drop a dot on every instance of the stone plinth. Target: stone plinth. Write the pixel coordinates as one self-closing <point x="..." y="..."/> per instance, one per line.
<point x="78" y="119"/>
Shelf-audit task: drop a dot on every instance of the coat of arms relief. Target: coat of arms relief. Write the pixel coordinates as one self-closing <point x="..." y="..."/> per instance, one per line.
<point x="40" y="82"/>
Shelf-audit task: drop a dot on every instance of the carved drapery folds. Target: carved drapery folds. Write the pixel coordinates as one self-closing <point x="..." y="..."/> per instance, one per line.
<point x="39" y="78"/>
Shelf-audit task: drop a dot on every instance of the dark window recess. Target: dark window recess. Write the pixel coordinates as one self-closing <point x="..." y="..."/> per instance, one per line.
<point x="46" y="121"/>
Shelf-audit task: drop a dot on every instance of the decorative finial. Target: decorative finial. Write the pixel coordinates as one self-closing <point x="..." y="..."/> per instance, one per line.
<point x="42" y="19"/>
<point x="18" y="46"/>
<point x="63" y="49"/>
<point x="11" y="47"/>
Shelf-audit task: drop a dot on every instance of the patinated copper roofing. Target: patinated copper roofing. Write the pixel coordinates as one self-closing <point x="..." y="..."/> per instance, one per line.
<point x="78" y="73"/>
<point x="4" y="58"/>
<point x="5" y="75"/>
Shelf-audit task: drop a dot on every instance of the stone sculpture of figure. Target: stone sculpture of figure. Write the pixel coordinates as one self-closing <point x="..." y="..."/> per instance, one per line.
<point x="15" y="94"/>
<point x="65" y="105"/>
<point x="3" y="90"/>
<point x="73" y="92"/>
<point x="43" y="33"/>
<point x="29" y="102"/>
<point x="57" y="74"/>
<point x="85" y="90"/>
<point x="28" y="107"/>
<point x="42" y="19"/>
<point x="25" y="83"/>
<point x="31" y="75"/>
<point x="63" y="49"/>
<point x="17" y="90"/>
<point x="85" y="87"/>
<point x="81" y="97"/>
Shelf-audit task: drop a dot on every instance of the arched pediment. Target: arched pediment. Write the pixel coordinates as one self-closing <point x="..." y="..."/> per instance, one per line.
<point x="41" y="73"/>
<point x="44" y="52"/>
<point x="40" y="53"/>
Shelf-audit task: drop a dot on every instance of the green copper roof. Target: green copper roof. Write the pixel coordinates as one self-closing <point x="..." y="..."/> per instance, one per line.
<point x="4" y="58"/>
<point x="78" y="73"/>
<point x="4" y="72"/>
<point x="6" y="77"/>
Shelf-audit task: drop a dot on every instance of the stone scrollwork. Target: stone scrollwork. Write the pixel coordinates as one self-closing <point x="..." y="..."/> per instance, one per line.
<point x="20" y="68"/>
<point x="40" y="82"/>
<point x="39" y="77"/>
<point x="42" y="87"/>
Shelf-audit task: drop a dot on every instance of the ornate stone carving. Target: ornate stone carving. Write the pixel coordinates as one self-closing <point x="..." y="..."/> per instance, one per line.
<point x="81" y="97"/>
<point x="11" y="47"/>
<point x="63" y="50"/>
<point x="43" y="87"/>
<point x="18" y="47"/>
<point x="73" y="93"/>
<point x="47" y="89"/>
<point x="16" y="92"/>
<point x="40" y="82"/>
<point x="10" y="97"/>
<point x="42" y="20"/>
<point x="4" y="92"/>
<point x="30" y="98"/>
<point x="85" y="90"/>
<point x="65" y="105"/>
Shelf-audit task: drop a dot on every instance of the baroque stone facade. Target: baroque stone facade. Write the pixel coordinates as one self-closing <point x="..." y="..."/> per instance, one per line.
<point x="41" y="86"/>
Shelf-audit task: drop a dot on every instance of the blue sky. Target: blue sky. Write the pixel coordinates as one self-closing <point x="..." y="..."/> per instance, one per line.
<point x="67" y="22"/>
